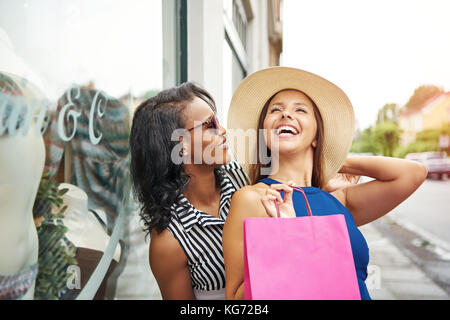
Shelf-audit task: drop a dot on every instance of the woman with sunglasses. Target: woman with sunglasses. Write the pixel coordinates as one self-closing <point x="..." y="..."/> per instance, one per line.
<point x="183" y="178"/>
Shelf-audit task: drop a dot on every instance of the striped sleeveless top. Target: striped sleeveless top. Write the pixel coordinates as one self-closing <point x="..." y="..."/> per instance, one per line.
<point x="200" y="234"/>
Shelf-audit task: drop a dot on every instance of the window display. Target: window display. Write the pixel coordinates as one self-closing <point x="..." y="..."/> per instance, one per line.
<point x="71" y="75"/>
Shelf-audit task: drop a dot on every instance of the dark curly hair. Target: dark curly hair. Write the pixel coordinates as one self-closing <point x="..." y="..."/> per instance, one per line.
<point x="157" y="180"/>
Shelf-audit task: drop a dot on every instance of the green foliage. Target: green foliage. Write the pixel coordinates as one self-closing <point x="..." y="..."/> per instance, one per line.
<point x="433" y="134"/>
<point x="416" y="147"/>
<point x="446" y="128"/>
<point x="389" y="112"/>
<point x="366" y="143"/>
<point x="429" y="139"/>
<point x="382" y="139"/>
<point x="56" y="253"/>
<point x="48" y="195"/>
<point x="428" y="135"/>
<point x="387" y="134"/>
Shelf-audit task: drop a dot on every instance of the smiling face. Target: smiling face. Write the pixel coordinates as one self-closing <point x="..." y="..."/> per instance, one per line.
<point x="207" y="143"/>
<point x="293" y="123"/>
<point x="290" y="120"/>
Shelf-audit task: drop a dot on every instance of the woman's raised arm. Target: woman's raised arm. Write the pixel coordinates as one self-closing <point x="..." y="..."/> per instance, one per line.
<point x="395" y="180"/>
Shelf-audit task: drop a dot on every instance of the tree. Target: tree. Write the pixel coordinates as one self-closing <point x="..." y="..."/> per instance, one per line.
<point x="389" y="112"/>
<point x="366" y="143"/>
<point x="387" y="135"/>
<point x="431" y="135"/>
<point x="381" y="139"/>
<point x="422" y="94"/>
<point x="416" y="147"/>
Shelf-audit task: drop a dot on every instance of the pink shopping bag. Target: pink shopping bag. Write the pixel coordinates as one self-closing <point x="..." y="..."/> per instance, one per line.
<point x="299" y="258"/>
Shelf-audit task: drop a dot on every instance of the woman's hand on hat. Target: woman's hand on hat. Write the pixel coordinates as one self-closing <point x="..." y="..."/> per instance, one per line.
<point x="286" y="206"/>
<point x="340" y="181"/>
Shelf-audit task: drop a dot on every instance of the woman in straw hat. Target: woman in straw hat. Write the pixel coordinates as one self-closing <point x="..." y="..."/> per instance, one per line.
<point x="308" y="125"/>
<point x="184" y="178"/>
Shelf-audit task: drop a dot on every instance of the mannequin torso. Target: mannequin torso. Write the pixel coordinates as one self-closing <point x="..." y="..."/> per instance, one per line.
<point x="21" y="164"/>
<point x="84" y="229"/>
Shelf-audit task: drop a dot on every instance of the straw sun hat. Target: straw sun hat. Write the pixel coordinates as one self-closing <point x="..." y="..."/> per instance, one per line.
<point x="333" y="104"/>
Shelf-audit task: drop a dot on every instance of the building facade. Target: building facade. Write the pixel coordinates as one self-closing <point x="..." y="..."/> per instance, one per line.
<point x="64" y="65"/>
<point x="436" y="113"/>
<point x="411" y="122"/>
<point x="433" y="114"/>
<point x="227" y="40"/>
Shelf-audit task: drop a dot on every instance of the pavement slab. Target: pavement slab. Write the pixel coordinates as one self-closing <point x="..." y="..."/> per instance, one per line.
<point x="394" y="275"/>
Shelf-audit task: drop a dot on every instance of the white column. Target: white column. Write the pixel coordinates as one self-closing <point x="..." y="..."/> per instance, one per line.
<point x="257" y="33"/>
<point x="169" y="44"/>
<point x="205" y="46"/>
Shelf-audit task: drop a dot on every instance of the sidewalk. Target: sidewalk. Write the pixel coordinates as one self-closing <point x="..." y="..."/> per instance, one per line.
<point x="392" y="275"/>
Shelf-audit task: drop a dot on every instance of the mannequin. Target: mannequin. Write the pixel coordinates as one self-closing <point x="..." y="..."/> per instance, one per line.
<point x="84" y="229"/>
<point x="22" y="160"/>
<point x="98" y="134"/>
<point x="10" y="62"/>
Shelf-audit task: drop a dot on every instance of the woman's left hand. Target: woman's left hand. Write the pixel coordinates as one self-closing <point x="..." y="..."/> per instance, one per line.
<point x="286" y="206"/>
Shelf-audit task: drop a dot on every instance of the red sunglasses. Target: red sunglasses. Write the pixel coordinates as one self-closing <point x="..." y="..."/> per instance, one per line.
<point x="210" y="123"/>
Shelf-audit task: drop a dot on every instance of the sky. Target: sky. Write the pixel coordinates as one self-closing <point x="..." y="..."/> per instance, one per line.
<point x="378" y="52"/>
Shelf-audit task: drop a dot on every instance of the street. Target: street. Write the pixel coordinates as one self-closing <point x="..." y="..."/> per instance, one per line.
<point x="419" y="228"/>
<point x="428" y="209"/>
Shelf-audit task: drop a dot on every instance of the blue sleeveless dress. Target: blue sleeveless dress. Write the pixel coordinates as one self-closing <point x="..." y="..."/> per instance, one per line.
<point x="322" y="203"/>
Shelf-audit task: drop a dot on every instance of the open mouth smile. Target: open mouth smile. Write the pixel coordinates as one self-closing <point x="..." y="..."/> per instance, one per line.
<point x="286" y="130"/>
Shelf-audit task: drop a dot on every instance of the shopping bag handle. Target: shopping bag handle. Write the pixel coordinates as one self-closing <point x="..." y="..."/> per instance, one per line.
<point x="308" y="208"/>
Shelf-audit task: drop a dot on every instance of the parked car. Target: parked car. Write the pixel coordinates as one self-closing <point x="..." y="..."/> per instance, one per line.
<point x="437" y="163"/>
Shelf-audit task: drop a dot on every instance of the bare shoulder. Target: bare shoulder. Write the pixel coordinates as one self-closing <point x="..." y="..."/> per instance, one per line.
<point x="340" y="195"/>
<point x="252" y="191"/>
<point x="247" y="201"/>
<point x="166" y="250"/>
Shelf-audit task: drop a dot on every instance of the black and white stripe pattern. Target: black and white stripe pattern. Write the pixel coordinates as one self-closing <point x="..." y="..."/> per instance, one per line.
<point x="200" y="234"/>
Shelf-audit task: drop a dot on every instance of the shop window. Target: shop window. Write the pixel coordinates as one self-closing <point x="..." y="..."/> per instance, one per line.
<point x="72" y="73"/>
<point x="240" y="21"/>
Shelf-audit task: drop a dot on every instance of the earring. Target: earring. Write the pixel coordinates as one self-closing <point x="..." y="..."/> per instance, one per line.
<point x="182" y="152"/>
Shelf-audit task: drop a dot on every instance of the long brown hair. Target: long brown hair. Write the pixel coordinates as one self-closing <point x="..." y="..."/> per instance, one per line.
<point x="317" y="179"/>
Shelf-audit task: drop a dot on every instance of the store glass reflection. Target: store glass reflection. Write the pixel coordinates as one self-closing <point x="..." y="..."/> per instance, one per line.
<point x="71" y="75"/>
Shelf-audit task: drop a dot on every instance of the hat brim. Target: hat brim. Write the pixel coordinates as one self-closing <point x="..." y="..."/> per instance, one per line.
<point x="334" y="106"/>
